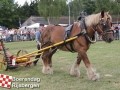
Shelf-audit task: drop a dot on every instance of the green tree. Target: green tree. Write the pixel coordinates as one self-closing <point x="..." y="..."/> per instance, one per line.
<point x="33" y="9"/>
<point x="27" y="10"/>
<point x="7" y="9"/>
<point x="116" y="7"/>
<point x="11" y="13"/>
<point x="103" y="5"/>
<point x="76" y="7"/>
<point x="82" y="5"/>
<point x="89" y="6"/>
<point x="51" y="8"/>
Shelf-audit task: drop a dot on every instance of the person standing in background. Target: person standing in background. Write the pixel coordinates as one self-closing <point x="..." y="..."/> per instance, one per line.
<point x="117" y="32"/>
<point x="37" y="38"/>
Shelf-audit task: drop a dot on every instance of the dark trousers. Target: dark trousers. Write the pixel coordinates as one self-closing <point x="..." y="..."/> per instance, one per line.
<point x="38" y="47"/>
<point x="37" y="56"/>
<point x="117" y="36"/>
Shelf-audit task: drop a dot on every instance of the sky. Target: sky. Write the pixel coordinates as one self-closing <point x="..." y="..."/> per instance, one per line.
<point x="21" y="2"/>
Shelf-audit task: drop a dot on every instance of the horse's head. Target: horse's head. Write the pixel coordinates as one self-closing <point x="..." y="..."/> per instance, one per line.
<point x="104" y="27"/>
<point x="102" y="23"/>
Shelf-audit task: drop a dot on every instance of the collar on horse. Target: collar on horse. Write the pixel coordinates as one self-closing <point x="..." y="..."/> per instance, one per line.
<point x="68" y="31"/>
<point x="84" y="32"/>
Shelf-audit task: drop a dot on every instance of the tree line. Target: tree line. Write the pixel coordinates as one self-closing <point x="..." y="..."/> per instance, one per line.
<point x="12" y="15"/>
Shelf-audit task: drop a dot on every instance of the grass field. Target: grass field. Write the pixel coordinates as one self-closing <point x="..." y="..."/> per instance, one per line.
<point x="104" y="57"/>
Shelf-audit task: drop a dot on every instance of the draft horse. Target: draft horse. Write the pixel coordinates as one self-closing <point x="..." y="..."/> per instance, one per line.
<point x="100" y="23"/>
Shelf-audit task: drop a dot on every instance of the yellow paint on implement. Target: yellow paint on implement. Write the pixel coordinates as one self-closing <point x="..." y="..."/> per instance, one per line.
<point x="24" y="63"/>
<point x="46" y="48"/>
<point x="22" y="60"/>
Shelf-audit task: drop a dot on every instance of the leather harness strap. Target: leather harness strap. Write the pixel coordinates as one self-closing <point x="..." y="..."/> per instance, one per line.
<point x="67" y="35"/>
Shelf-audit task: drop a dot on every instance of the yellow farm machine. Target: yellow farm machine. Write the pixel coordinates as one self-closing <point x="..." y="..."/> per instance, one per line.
<point x="23" y="58"/>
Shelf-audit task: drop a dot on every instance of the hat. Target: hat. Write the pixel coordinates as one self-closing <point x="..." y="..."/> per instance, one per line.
<point x="41" y="24"/>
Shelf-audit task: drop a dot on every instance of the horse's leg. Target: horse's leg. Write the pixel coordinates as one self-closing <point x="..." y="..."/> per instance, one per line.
<point x="47" y="61"/>
<point x="75" y="67"/>
<point x="92" y="75"/>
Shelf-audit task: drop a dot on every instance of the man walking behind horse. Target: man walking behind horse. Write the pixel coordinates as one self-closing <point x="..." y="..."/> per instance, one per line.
<point x="37" y="38"/>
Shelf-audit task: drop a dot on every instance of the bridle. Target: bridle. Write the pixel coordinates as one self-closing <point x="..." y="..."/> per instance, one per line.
<point x="104" y="27"/>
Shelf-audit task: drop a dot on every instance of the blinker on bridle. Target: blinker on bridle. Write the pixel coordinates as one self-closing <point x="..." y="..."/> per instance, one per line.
<point x="105" y="27"/>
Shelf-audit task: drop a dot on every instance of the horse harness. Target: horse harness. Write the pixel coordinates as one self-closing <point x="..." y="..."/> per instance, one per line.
<point x="83" y="28"/>
<point x="68" y="31"/>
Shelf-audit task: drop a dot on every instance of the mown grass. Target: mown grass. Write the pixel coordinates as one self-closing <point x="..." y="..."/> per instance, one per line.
<point x="103" y="56"/>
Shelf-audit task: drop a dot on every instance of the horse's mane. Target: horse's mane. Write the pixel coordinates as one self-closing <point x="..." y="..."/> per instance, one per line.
<point x="94" y="19"/>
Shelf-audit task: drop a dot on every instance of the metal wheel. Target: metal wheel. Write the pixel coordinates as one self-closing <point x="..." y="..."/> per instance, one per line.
<point x="23" y="61"/>
<point x="21" y="52"/>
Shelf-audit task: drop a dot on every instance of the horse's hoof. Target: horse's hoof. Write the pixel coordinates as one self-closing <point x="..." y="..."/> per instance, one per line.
<point x="47" y="70"/>
<point x="95" y="77"/>
<point x="75" y="73"/>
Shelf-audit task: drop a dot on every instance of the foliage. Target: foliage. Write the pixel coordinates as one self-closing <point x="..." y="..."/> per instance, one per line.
<point x="7" y="9"/>
<point x="89" y="6"/>
<point x="51" y="8"/>
<point x="13" y="14"/>
<point x="27" y="10"/>
<point x="78" y="6"/>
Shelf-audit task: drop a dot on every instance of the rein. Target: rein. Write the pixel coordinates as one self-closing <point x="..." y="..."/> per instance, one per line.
<point x="104" y="32"/>
<point x="94" y="28"/>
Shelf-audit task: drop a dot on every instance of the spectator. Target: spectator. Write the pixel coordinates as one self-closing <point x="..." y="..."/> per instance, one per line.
<point x="28" y="35"/>
<point x="117" y="33"/>
<point x="15" y="38"/>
